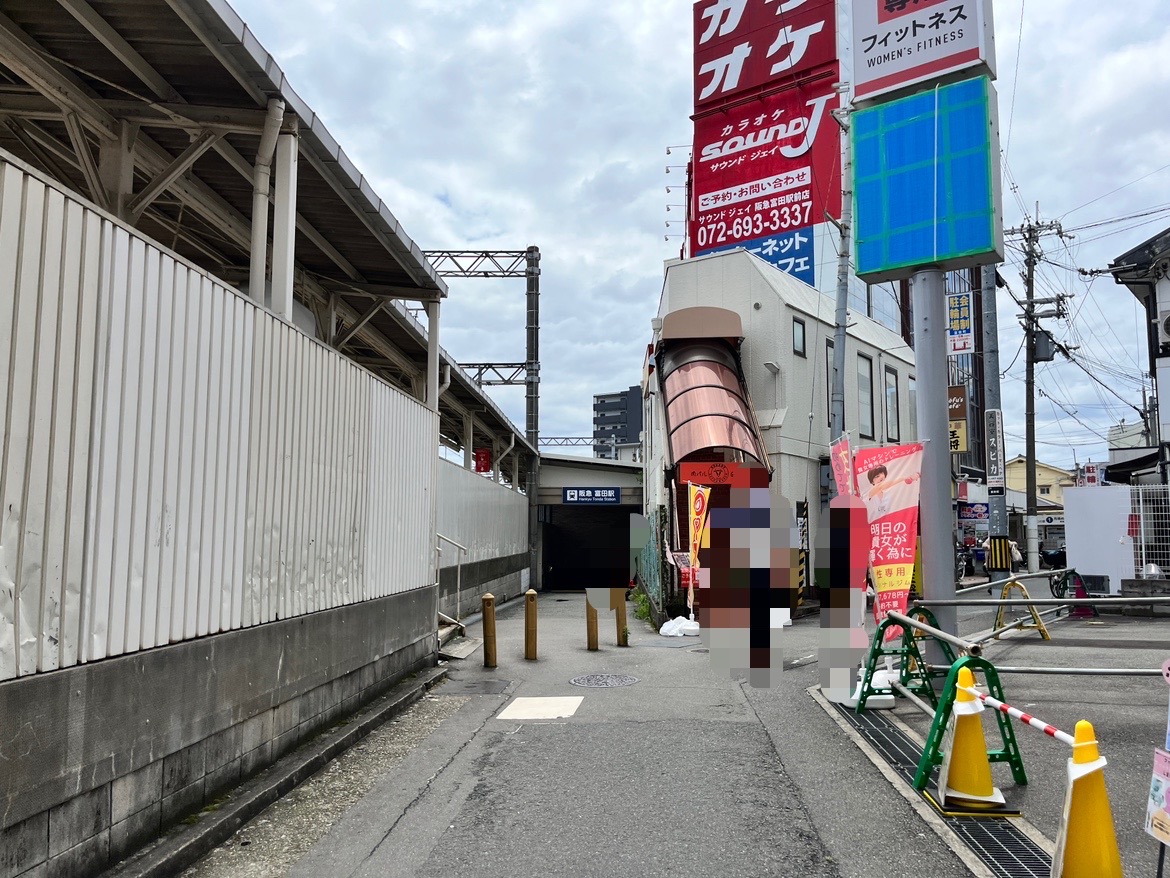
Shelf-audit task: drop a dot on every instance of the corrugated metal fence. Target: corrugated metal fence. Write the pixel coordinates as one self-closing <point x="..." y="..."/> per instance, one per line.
<point x="177" y="461"/>
<point x="487" y="517"/>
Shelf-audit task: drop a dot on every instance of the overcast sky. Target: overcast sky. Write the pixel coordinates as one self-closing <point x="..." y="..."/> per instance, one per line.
<point x="487" y="124"/>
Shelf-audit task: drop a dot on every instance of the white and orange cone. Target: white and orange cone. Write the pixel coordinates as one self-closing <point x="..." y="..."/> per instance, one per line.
<point x="964" y="778"/>
<point x="1087" y="846"/>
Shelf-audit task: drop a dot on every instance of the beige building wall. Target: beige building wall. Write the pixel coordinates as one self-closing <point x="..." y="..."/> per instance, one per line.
<point x="1050" y="480"/>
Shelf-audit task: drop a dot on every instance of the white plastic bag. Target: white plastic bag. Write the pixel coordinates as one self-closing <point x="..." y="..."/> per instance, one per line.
<point x="678" y="627"/>
<point x="672" y="627"/>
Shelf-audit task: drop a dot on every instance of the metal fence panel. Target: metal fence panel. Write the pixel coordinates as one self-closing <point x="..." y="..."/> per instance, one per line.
<point x="1149" y="525"/>
<point x="177" y="461"/>
<point x="487" y="517"/>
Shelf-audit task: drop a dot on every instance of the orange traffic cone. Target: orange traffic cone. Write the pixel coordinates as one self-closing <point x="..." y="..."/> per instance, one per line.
<point x="964" y="778"/>
<point x="1087" y="846"/>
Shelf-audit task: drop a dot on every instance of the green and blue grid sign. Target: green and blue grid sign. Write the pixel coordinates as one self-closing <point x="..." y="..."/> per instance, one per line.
<point x="926" y="182"/>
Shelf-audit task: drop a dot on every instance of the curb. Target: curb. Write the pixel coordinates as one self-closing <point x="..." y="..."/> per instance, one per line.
<point x="183" y="845"/>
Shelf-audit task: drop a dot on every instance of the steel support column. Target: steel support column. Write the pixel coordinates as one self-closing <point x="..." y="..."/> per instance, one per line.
<point x="930" y="349"/>
<point x="433" y="356"/>
<point x="284" y="225"/>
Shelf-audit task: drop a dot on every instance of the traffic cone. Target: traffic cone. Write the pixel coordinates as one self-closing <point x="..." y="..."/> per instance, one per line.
<point x="964" y="778"/>
<point x="1087" y="847"/>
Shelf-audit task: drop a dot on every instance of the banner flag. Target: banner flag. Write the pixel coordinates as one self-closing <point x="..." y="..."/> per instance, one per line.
<point x="888" y="479"/>
<point x="841" y="457"/>
<point x="697" y="497"/>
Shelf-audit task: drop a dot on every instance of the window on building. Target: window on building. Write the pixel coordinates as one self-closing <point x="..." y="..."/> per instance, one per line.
<point x="865" y="418"/>
<point x="892" y="423"/>
<point x="913" y="400"/>
<point x="829" y="382"/>
<point x="1045" y="490"/>
<point x="798" y="337"/>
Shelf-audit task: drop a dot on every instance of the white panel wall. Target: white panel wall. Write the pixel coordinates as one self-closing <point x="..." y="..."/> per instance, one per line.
<point x="491" y="520"/>
<point x="177" y="461"/>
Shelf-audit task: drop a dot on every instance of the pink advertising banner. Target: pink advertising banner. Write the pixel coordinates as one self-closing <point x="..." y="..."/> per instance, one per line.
<point x="841" y="459"/>
<point x="888" y="481"/>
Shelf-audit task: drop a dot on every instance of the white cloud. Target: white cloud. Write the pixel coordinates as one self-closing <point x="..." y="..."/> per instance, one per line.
<point x="491" y="124"/>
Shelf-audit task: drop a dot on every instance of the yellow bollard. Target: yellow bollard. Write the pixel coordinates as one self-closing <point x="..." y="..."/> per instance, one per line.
<point x="530" y="625"/>
<point x="965" y="775"/>
<point x="590" y="625"/>
<point x="1087" y="846"/>
<point x="618" y="602"/>
<point x="489" y="630"/>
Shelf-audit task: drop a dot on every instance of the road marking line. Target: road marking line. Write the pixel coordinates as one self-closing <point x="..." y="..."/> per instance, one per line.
<point x="541" y="708"/>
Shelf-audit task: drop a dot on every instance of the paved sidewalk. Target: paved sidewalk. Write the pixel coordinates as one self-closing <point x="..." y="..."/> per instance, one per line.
<point x="679" y="773"/>
<point x="683" y="770"/>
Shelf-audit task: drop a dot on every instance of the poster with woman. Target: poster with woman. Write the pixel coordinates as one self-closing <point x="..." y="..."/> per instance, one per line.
<point x="888" y="481"/>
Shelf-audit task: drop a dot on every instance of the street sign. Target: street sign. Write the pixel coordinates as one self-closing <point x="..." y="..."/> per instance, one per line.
<point x="996" y="466"/>
<point x="592" y="496"/>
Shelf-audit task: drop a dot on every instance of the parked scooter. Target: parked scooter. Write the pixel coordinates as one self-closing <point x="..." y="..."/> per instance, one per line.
<point x="1054" y="559"/>
<point x="964" y="561"/>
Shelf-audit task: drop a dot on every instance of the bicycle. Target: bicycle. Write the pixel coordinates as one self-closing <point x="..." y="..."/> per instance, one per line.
<point x="1060" y="584"/>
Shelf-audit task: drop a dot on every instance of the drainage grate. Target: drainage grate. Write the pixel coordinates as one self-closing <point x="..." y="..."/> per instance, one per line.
<point x="1006" y="851"/>
<point x="996" y="841"/>
<point x="699" y="649"/>
<point x="604" y="681"/>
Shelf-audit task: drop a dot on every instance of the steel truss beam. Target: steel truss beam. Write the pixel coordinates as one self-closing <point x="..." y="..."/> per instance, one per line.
<point x="496" y="373"/>
<point x="479" y="263"/>
<point x="573" y="441"/>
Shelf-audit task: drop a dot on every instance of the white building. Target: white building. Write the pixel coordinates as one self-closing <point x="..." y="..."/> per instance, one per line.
<point x="786" y="358"/>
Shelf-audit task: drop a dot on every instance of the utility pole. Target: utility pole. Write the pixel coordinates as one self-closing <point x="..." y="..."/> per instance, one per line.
<point x="997" y="525"/>
<point x="837" y="397"/>
<point x="1031" y="231"/>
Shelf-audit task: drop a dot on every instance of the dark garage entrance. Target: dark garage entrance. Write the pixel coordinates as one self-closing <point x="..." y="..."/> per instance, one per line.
<point x="586" y="546"/>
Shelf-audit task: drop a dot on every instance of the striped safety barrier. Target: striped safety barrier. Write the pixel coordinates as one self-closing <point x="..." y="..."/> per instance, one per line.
<point x="1050" y="730"/>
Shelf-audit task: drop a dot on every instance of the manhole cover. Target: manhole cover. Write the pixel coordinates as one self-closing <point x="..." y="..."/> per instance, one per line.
<point x="700" y="649"/>
<point x="604" y="681"/>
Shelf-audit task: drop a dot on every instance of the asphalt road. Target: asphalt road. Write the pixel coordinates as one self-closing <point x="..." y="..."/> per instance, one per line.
<point x="684" y="772"/>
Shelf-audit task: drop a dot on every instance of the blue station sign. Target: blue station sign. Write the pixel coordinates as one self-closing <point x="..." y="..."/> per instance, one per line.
<point x="591" y="496"/>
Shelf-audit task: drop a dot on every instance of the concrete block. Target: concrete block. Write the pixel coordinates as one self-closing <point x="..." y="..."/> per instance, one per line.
<point x="182" y="769"/>
<point x="132" y="833"/>
<point x="135" y="791"/>
<point x="221" y="748"/>
<point x="285" y="743"/>
<point x="182" y="803"/>
<point x="24" y="845"/>
<point x="76" y="821"/>
<point x="256" y="731"/>
<point x="255" y="760"/>
<point x="87" y="858"/>
<point x="285" y="717"/>
<point x="223" y="778"/>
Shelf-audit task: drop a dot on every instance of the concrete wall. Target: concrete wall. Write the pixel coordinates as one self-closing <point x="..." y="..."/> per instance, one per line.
<point x="99" y="758"/>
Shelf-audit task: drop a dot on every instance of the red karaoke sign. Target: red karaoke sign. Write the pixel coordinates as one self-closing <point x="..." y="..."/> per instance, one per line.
<point x="767" y="168"/>
<point x="743" y="45"/>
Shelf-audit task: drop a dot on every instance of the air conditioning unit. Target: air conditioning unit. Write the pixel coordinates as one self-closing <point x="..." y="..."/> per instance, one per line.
<point x="1164" y="327"/>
